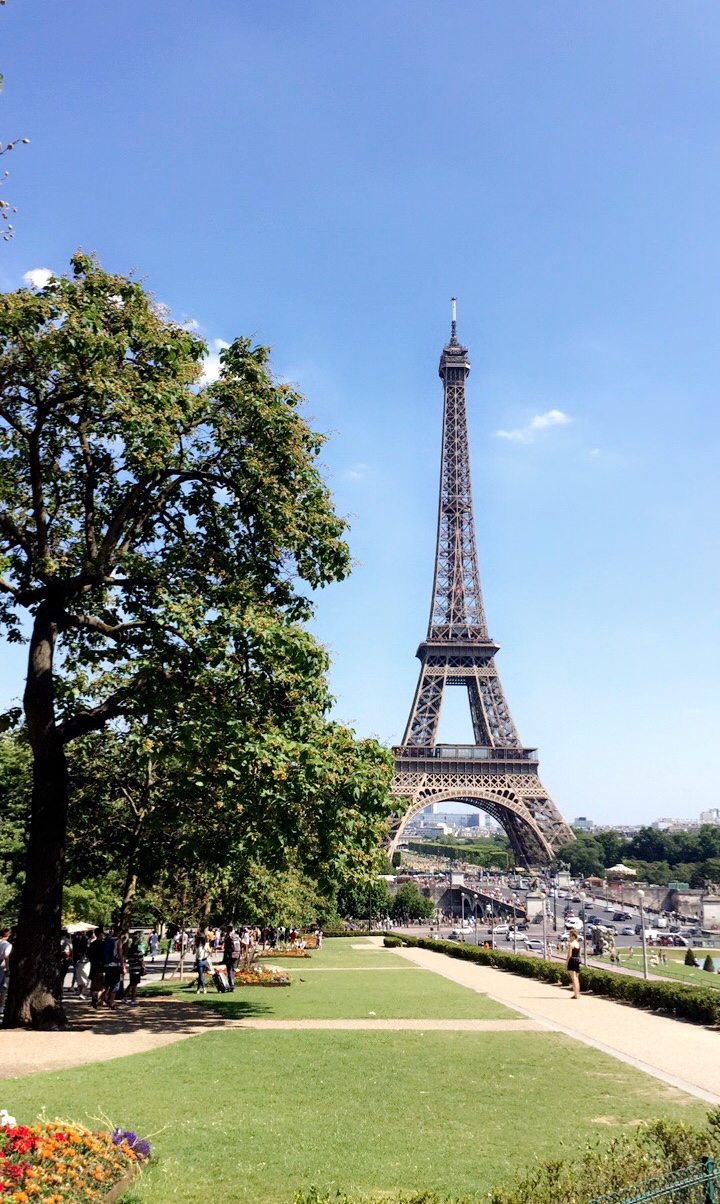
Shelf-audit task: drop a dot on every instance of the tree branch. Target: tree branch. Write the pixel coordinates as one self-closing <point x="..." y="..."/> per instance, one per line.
<point x="91" y="721"/>
<point x="113" y="632"/>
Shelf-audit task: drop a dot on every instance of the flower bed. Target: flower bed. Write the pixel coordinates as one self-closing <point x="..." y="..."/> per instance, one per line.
<point x="261" y="976"/>
<point x="264" y="953"/>
<point x="65" y="1163"/>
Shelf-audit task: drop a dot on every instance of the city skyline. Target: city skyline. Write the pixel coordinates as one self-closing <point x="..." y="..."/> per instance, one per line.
<point x="342" y="173"/>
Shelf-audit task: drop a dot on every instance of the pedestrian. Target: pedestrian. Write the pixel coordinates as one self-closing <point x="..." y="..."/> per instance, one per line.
<point x="96" y="958"/>
<point x="5" y="951"/>
<point x="231" y="952"/>
<point x="136" y="969"/>
<point x="114" y="967"/>
<point x="203" y="961"/>
<point x="319" y="938"/>
<point x="79" y="955"/>
<point x="66" y="955"/>
<point x="573" y="963"/>
<point x="153" y="945"/>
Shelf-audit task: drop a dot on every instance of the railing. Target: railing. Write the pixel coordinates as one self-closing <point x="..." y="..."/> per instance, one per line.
<point x="464" y="752"/>
<point x="696" y="1184"/>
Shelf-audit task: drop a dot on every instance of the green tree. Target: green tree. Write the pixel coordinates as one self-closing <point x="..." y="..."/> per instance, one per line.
<point x="612" y="847"/>
<point x="14" y="811"/>
<point x="584" y="856"/>
<point x="409" y="904"/>
<point x="149" y="529"/>
<point x="690" y="958"/>
<point x="709" y="964"/>
<point x="359" y="900"/>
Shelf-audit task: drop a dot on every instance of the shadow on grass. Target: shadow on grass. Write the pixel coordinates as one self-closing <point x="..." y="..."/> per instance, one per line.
<point x="162" y="1014"/>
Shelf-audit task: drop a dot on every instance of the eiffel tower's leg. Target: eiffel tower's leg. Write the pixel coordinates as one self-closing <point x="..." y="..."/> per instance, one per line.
<point x="477" y="713"/>
<point x="425" y="714"/>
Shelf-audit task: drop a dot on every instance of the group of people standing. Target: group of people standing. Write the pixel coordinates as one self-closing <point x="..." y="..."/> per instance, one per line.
<point x="100" y="960"/>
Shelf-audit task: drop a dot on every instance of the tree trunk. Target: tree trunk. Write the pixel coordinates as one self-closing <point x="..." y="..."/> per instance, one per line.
<point x="130" y="873"/>
<point x="35" y="994"/>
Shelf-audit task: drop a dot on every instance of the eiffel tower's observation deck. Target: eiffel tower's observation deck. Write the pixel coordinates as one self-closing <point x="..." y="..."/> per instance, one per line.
<point x="497" y="773"/>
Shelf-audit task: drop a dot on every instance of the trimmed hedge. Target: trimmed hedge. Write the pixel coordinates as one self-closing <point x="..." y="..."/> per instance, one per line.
<point x="687" y="1003"/>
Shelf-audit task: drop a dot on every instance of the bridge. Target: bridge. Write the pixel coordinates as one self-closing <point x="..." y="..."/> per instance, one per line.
<point x="448" y="898"/>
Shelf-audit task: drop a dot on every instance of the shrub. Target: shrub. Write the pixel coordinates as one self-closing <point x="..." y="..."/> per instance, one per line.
<point x="709" y="964"/>
<point x="687" y="1003"/>
<point x="690" y="958"/>
<point x="602" y="1167"/>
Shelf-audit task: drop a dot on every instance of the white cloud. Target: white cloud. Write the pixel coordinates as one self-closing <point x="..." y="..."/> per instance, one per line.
<point x="357" y="472"/>
<point x="211" y="363"/>
<point x="37" y="277"/>
<point x="595" y="451"/>
<point x="526" y="434"/>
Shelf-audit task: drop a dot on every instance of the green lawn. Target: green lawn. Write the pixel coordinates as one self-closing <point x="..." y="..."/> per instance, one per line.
<point x="340" y="982"/>
<point x="676" y="968"/>
<point x="252" y="1116"/>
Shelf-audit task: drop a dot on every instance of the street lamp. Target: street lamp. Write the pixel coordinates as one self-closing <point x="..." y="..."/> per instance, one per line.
<point x="477" y="904"/>
<point x="544" y="897"/>
<point x="583" y="897"/>
<point x="491" y="914"/>
<point x="555" y="891"/>
<point x="605" y="886"/>
<point x="641" y="896"/>
<point x="515" y="899"/>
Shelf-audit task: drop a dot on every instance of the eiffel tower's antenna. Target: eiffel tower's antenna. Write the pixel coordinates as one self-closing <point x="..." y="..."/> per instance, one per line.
<point x="453" y="324"/>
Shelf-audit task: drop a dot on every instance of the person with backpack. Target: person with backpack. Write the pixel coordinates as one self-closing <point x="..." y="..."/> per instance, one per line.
<point x="96" y="957"/>
<point x="136" y="969"/>
<point x="114" y="967"/>
<point x="232" y="949"/>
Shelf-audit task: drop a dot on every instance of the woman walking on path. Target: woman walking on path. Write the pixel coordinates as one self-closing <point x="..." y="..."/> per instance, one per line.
<point x="573" y="963"/>
<point x="203" y="961"/>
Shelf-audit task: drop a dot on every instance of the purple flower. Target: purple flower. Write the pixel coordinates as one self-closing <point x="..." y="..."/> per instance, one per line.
<point x="137" y="1145"/>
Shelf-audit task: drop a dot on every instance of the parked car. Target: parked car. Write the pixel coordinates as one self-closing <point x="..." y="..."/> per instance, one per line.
<point x="534" y="942"/>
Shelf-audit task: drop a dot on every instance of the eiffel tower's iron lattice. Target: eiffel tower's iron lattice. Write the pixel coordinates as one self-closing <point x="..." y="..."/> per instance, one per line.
<point x="497" y="773"/>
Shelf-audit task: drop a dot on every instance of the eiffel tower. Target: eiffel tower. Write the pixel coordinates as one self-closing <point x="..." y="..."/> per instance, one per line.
<point x="496" y="774"/>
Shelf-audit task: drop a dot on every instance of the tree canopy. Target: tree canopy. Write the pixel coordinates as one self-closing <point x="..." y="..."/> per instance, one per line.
<point x="159" y="540"/>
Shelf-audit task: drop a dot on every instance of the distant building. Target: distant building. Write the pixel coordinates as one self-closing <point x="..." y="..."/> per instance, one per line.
<point x="710" y="817"/>
<point x="583" y="824"/>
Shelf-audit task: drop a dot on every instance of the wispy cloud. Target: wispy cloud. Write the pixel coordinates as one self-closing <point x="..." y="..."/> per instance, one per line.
<point x="541" y="422"/>
<point x="357" y="472"/>
<point x="37" y="277"/>
<point x="211" y="363"/>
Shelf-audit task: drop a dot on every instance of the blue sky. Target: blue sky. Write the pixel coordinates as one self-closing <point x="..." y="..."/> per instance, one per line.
<point x="323" y="177"/>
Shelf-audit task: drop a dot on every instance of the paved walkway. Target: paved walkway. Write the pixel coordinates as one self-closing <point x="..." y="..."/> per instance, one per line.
<point x="684" y="1055"/>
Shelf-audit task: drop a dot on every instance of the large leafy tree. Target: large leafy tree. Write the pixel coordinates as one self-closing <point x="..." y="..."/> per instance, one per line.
<point x="150" y="529"/>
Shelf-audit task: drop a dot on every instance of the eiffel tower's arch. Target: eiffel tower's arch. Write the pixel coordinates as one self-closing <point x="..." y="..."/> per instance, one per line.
<point x="499" y="800"/>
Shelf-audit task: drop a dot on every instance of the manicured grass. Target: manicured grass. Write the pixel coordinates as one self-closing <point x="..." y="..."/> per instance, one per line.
<point x="248" y="1116"/>
<point x="336" y="995"/>
<point x="676" y="968"/>
<point x="333" y="986"/>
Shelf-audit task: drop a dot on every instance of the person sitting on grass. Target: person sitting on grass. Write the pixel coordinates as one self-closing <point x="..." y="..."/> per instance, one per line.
<point x="136" y="969"/>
